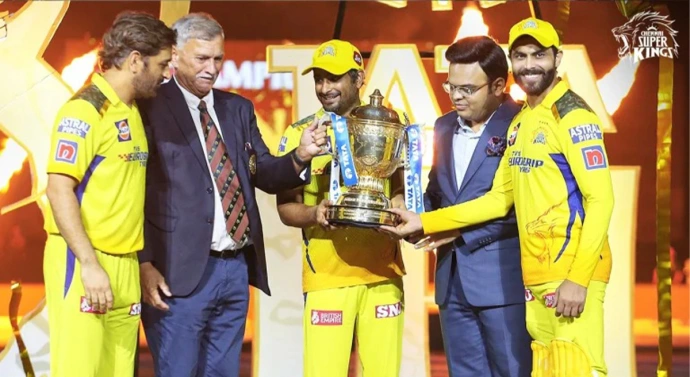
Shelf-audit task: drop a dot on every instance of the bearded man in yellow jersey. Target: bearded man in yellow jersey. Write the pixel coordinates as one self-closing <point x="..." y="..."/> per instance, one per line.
<point x="555" y="171"/>
<point x="351" y="277"/>
<point x="96" y="184"/>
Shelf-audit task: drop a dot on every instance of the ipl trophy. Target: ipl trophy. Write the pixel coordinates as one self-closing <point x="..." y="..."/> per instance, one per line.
<point x="370" y="144"/>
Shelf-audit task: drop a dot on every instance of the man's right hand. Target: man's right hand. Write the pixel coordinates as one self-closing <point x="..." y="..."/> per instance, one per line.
<point x="320" y="215"/>
<point x="151" y="282"/>
<point x="96" y="286"/>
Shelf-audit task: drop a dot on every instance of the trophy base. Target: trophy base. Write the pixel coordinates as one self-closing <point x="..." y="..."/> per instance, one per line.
<point x="360" y="217"/>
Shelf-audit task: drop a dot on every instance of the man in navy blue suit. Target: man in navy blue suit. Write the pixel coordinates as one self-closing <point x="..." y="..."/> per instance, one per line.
<point x="203" y="238"/>
<point x="479" y="286"/>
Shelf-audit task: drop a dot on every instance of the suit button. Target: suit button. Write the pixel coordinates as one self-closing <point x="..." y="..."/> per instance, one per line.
<point x="209" y="220"/>
<point x="209" y="190"/>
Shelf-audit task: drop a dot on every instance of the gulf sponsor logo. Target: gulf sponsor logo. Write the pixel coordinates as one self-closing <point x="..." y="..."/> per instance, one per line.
<point x="326" y="317"/>
<point x="123" y="131"/>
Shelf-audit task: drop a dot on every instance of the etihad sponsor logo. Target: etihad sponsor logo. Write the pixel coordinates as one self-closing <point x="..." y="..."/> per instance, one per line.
<point x="389" y="310"/>
<point x="326" y="317"/>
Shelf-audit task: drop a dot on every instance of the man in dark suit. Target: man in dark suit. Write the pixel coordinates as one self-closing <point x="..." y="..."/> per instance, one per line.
<point x="479" y="286"/>
<point x="203" y="237"/>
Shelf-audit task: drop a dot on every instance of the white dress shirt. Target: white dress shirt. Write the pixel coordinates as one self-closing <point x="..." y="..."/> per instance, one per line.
<point x="465" y="141"/>
<point x="221" y="240"/>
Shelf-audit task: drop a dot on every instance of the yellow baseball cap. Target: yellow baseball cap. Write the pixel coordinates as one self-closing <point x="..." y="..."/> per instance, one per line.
<point x="538" y="29"/>
<point x="336" y="57"/>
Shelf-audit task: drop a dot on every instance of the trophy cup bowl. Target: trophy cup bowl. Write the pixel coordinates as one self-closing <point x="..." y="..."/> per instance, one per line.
<point x="376" y="137"/>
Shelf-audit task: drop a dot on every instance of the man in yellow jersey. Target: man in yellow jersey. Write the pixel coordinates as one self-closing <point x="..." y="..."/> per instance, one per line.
<point x="96" y="184"/>
<point x="555" y="171"/>
<point x="351" y="277"/>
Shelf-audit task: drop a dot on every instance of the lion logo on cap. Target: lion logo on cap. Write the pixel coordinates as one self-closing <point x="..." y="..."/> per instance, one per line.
<point x="327" y="50"/>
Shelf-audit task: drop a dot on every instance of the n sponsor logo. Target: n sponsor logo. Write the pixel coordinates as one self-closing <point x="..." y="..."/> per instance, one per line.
<point x="594" y="157"/>
<point x="66" y="151"/>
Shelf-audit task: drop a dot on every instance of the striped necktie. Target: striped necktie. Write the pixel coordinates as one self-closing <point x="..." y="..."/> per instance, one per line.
<point x="227" y="181"/>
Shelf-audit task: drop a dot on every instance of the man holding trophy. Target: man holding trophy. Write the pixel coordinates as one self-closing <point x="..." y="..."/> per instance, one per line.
<point x="352" y="274"/>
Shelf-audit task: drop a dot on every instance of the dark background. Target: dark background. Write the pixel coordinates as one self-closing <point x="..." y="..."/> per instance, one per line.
<point x="370" y="23"/>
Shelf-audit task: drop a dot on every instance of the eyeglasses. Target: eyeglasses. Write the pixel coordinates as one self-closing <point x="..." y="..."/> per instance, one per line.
<point x="464" y="90"/>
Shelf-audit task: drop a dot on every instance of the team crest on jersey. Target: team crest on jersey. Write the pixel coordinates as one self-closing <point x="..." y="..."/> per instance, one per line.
<point x="326" y="317"/>
<point x="594" y="157"/>
<point x="388" y="310"/>
<point x="66" y="151"/>
<point x="539" y="136"/>
<point x="123" y="131"/>
<point x="135" y="309"/>
<point x="84" y="307"/>
<point x="513" y="135"/>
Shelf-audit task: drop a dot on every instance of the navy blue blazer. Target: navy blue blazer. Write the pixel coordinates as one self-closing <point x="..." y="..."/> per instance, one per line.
<point x="179" y="209"/>
<point x="487" y="255"/>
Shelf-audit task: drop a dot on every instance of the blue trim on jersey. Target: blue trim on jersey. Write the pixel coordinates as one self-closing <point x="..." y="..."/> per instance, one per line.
<point x="71" y="259"/>
<point x="574" y="198"/>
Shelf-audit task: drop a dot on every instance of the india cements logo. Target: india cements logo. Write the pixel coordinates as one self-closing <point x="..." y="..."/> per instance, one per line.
<point x="647" y="35"/>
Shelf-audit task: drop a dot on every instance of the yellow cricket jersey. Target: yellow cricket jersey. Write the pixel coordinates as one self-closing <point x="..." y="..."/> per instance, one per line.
<point x="555" y="171"/>
<point x="342" y="257"/>
<point x="100" y="141"/>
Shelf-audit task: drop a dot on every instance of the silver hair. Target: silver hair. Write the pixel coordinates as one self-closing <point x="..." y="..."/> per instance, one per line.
<point x="197" y="26"/>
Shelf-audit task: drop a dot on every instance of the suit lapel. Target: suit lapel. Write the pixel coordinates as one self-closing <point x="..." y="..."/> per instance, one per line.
<point x="495" y="127"/>
<point x="448" y="182"/>
<point x="229" y="126"/>
<point x="183" y="118"/>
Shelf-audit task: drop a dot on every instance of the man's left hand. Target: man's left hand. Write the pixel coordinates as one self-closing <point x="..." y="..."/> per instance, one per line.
<point x="570" y="299"/>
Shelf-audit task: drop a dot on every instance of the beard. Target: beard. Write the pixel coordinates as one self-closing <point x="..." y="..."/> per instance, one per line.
<point x="145" y="85"/>
<point x="345" y="103"/>
<point x="537" y="87"/>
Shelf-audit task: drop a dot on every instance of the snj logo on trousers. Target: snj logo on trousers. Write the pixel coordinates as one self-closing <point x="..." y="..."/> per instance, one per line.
<point x="327" y="317"/>
<point x="550" y="300"/>
<point x="388" y="310"/>
<point x="84" y="307"/>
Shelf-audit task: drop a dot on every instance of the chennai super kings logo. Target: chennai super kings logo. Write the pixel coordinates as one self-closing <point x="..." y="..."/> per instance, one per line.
<point x="647" y="35"/>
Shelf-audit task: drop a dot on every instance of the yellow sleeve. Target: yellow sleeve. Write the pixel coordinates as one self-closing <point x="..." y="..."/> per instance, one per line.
<point x="75" y="139"/>
<point x="492" y="205"/>
<point x="290" y="140"/>
<point x="582" y="142"/>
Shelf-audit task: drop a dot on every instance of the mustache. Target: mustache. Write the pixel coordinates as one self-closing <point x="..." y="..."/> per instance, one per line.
<point x="531" y="71"/>
<point x="330" y="94"/>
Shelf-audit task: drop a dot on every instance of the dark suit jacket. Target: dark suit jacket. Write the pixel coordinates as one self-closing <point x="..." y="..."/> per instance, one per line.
<point x="179" y="191"/>
<point x="487" y="255"/>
